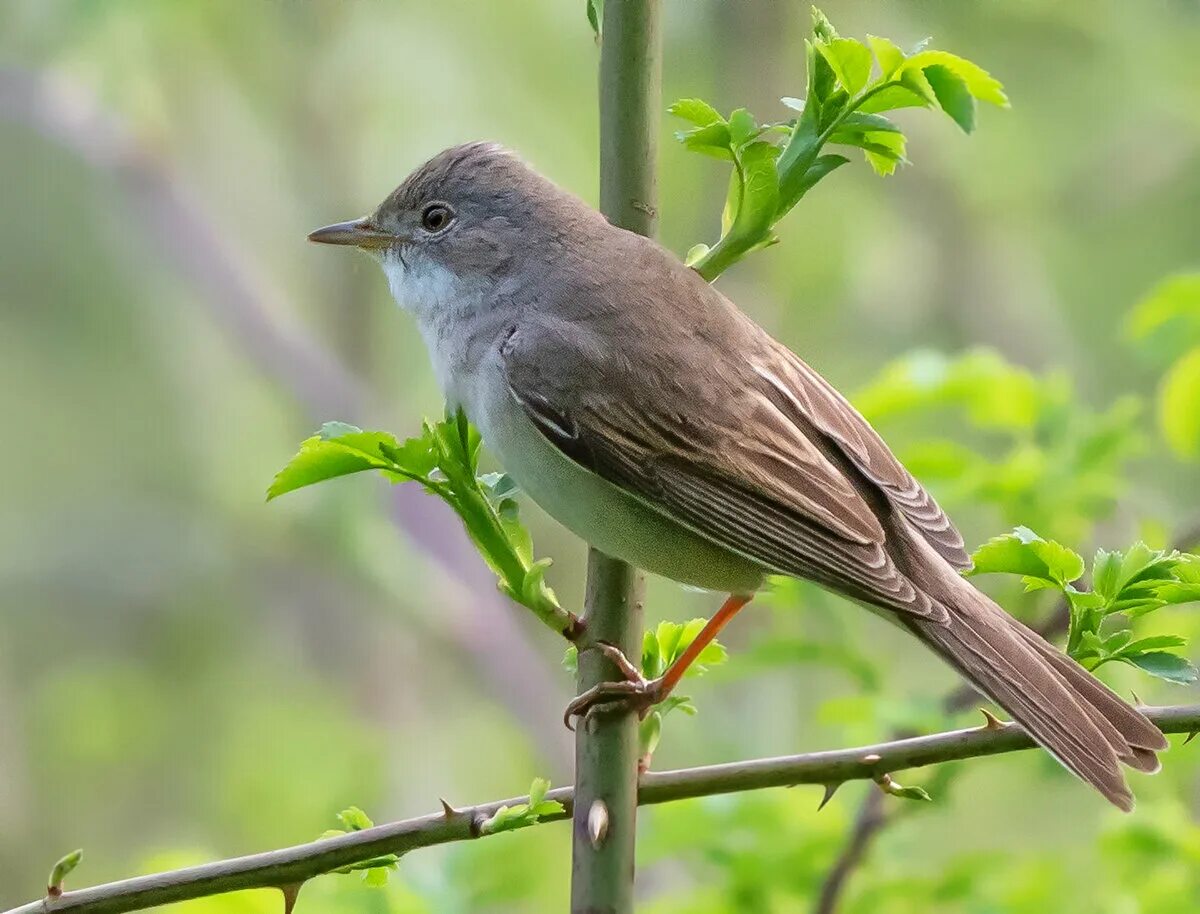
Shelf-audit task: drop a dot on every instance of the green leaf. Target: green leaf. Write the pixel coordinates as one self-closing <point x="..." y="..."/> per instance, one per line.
<point x="1023" y="552"/>
<point x="320" y="459"/>
<point x="952" y="95"/>
<point x="978" y="81"/>
<point x="713" y="140"/>
<point x="850" y="61"/>
<point x="894" y="97"/>
<point x="889" y="56"/>
<point x="570" y="659"/>
<point x="697" y="111"/>
<point x="537" y="791"/>
<point x="377" y="876"/>
<point x="1153" y="642"/>
<point x="1170" y="667"/>
<point x="354" y="819"/>
<point x="758" y="194"/>
<point x="1009" y="554"/>
<point x="916" y="83"/>
<point x="822" y="28"/>
<point x="1179" y="405"/>
<point x="649" y="733"/>
<point x="595" y="15"/>
<point x="742" y="127"/>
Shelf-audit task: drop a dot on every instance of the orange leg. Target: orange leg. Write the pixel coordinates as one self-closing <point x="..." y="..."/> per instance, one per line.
<point x="712" y="628"/>
<point x="636" y="691"/>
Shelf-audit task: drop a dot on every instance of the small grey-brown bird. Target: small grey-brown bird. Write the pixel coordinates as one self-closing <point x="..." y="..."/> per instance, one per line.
<point x="645" y="412"/>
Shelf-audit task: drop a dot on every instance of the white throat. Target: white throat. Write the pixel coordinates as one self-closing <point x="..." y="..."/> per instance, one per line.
<point x="446" y="310"/>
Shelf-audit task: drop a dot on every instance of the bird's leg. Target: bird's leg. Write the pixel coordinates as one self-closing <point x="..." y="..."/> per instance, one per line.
<point x="637" y="692"/>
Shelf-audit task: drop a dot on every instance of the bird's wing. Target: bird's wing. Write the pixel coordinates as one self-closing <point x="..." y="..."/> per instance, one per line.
<point x="746" y="458"/>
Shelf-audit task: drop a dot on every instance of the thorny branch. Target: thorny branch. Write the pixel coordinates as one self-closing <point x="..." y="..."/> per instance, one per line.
<point x="284" y="869"/>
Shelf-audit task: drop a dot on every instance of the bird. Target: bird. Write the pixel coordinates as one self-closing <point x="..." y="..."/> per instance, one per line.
<point x="649" y="415"/>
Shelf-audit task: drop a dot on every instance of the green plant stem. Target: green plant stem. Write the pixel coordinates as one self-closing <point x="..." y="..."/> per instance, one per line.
<point x="293" y="865"/>
<point x="607" y="745"/>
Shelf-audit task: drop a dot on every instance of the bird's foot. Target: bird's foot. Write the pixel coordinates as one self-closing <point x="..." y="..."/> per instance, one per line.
<point x="634" y="693"/>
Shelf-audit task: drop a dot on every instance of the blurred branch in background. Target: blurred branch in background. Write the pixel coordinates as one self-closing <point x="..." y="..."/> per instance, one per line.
<point x="255" y="316"/>
<point x="288" y="868"/>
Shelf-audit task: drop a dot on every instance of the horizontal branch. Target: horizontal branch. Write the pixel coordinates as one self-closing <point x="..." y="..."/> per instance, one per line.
<point x="293" y="865"/>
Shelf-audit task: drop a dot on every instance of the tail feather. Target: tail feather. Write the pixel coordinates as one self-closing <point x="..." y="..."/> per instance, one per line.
<point x="1064" y="708"/>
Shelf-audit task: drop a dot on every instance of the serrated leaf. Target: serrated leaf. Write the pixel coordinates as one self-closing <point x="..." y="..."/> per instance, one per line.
<point x="696" y="111"/>
<point x="742" y="127"/>
<point x="1153" y="642"/>
<point x="320" y="459"/>
<point x="537" y="791"/>
<point x="1008" y="554"/>
<point x="1106" y="571"/>
<point x="952" y="95"/>
<point x="1063" y="565"/>
<point x="1170" y="667"/>
<point x="354" y="819"/>
<point x="889" y="56"/>
<point x="850" y="61"/>
<point x="978" y="81"/>
<point x="822" y="28"/>
<point x="713" y="140"/>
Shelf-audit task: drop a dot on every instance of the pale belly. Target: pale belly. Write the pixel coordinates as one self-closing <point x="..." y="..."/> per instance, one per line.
<point x="597" y="511"/>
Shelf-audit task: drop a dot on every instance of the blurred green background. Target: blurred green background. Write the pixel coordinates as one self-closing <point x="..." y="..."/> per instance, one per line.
<point x="187" y="673"/>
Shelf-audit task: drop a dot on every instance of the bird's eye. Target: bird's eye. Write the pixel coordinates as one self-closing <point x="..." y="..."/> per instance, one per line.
<point x="435" y="217"/>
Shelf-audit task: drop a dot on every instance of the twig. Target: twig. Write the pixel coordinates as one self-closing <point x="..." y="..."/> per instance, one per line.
<point x="292" y="865"/>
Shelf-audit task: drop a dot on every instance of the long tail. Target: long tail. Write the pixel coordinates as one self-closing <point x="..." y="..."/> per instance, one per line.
<point x="1069" y="712"/>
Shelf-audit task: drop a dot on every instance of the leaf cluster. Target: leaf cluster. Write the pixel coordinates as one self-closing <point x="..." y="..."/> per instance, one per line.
<point x="1128" y="584"/>
<point x="376" y="870"/>
<point x="850" y="86"/>
<point x="510" y="818"/>
<point x="444" y="459"/>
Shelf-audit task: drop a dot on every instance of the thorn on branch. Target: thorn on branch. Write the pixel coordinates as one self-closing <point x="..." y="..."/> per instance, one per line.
<point x="1137" y="699"/>
<point x="991" y="721"/>
<point x="290" y="893"/>
<point x="1191" y="736"/>
<point x="830" y="790"/>
<point x="597" y="824"/>
<point x="449" y="811"/>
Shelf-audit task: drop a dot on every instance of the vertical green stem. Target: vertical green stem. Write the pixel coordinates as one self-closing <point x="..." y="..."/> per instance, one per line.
<point x="606" y="744"/>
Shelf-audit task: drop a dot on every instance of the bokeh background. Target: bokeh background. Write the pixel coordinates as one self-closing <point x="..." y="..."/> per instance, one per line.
<point x="188" y="673"/>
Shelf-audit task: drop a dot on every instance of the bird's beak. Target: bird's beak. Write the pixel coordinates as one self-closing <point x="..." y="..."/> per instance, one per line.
<point x="359" y="233"/>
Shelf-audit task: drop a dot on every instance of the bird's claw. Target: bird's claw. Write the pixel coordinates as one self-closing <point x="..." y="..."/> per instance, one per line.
<point x="634" y="693"/>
